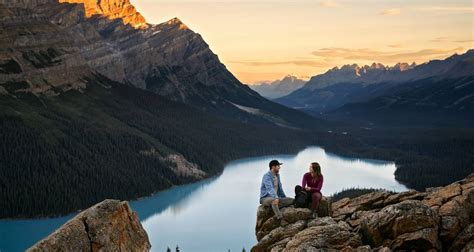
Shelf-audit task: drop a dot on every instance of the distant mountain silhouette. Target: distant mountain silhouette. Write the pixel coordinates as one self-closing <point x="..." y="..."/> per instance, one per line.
<point x="438" y="87"/>
<point x="279" y="88"/>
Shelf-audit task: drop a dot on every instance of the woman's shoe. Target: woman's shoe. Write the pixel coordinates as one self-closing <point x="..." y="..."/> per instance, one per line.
<point x="314" y="214"/>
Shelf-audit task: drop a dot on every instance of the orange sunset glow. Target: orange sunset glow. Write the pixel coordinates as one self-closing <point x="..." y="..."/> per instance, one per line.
<point x="266" y="40"/>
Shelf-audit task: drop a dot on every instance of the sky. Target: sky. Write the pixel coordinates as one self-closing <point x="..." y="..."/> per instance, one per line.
<point x="262" y="40"/>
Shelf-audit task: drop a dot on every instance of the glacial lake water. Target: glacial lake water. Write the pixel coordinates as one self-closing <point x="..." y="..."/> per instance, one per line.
<point x="219" y="214"/>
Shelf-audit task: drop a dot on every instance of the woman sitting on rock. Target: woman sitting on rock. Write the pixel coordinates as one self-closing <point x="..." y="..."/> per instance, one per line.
<point x="312" y="183"/>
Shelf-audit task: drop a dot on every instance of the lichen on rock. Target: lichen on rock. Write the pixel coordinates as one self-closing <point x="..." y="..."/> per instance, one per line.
<point x="107" y="226"/>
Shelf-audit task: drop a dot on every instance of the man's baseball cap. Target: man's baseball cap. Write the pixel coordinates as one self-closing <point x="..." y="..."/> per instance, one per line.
<point x="274" y="163"/>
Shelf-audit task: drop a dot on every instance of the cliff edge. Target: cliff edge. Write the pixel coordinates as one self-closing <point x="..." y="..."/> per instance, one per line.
<point x="440" y="219"/>
<point x="108" y="226"/>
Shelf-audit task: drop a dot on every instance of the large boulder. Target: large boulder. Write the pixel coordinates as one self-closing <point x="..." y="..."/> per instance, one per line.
<point x="319" y="233"/>
<point x="406" y="225"/>
<point x="439" y="196"/>
<point x="108" y="226"/>
<point x="277" y="236"/>
<point x="408" y="195"/>
<point x="465" y="240"/>
<point x="324" y="233"/>
<point x="266" y="221"/>
<point x="290" y="214"/>
<point x="456" y="209"/>
<point x="346" y="207"/>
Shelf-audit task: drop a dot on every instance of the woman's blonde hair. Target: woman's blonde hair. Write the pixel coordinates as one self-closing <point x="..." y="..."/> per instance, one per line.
<point x="316" y="168"/>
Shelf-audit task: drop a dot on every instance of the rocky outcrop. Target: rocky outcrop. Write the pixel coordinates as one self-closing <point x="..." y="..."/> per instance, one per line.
<point x="440" y="219"/>
<point x="108" y="226"/>
<point x="406" y="225"/>
<point x="267" y="228"/>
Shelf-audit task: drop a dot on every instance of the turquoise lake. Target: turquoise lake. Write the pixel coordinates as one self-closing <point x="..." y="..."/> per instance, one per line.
<point x="219" y="214"/>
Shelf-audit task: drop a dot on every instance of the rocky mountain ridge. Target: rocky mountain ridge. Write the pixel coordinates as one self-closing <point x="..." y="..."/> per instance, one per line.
<point x="112" y="9"/>
<point x="52" y="46"/>
<point x="279" y="88"/>
<point x="400" y="72"/>
<point x="355" y="73"/>
<point x="440" y="219"/>
<point x="352" y="84"/>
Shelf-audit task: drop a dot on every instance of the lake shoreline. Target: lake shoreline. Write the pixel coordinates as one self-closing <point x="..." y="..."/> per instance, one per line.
<point x="45" y="217"/>
<point x="42" y="217"/>
<point x="176" y="208"/>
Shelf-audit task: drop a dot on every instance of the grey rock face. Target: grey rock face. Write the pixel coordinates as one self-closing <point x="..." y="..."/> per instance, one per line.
<point x="35" y="52"/>
<point x="108" y="226"/>
<point x="440" y="219"/>
<point x="115" y="41"/>
<point x="49" y="47"/>
<point x="411" y="225"/>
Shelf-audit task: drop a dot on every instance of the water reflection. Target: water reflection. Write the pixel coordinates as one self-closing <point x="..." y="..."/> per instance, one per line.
<point x="174" y="199"/>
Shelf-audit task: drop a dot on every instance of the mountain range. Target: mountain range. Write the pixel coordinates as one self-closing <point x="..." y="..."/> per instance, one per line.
<point x="401" y="92"/>
<point x="97" y="103"/>
<point x="278" y="88"/>
<point x="55" y="44"/>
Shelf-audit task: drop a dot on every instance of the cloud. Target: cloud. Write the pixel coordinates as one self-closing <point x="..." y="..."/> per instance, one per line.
<point x="440" y="39"/>
<point x="449" y="9"/>
<point x="447" y="39"/>
<point x="329" y="4"/>
<point x="464" y="41"/>
<point x="391" y="12"/>
<point x="366" y="54"/>
<point x="395" y="45"/>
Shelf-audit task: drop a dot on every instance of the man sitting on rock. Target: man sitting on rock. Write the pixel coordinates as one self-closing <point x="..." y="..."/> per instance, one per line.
<point x="271" y="191"/>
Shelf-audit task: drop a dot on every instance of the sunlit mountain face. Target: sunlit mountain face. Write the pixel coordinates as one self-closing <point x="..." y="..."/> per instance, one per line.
<point x="113" y="9"/>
